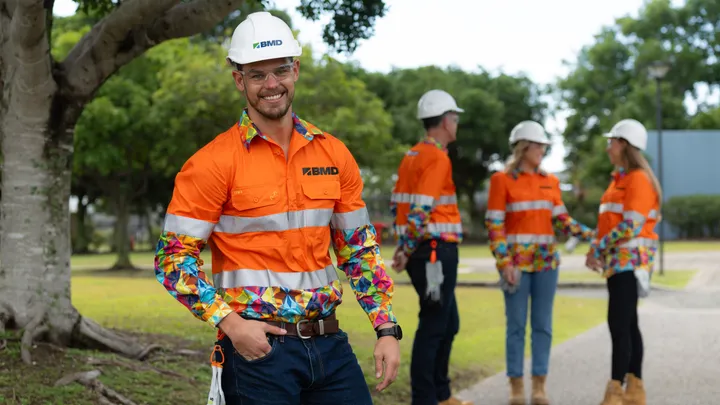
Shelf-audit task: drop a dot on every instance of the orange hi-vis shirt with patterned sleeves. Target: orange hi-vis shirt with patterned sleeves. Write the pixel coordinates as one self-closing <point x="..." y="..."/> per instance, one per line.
<point x="423" y="201"/>
<point x="628" y="214"/>
<point x="524" y="210"/>
<point x="270" y="220"/>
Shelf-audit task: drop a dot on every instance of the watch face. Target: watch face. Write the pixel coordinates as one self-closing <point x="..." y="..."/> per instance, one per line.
<point x="398" y="332"/>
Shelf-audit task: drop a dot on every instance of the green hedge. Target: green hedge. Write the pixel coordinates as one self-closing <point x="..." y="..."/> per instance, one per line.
<point x="694" y="216"/>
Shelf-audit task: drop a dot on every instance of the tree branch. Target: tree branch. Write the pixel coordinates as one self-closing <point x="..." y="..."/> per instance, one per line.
<point x="187" y="19"/>
<point x="135" y="27"/>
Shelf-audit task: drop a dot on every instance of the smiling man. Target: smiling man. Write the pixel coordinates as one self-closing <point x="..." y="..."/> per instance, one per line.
<point x="271" y="194"/>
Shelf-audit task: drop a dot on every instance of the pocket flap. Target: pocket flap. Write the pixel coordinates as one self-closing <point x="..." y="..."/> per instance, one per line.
<point x="255" y="197"/>
<point x="322" y="190"/>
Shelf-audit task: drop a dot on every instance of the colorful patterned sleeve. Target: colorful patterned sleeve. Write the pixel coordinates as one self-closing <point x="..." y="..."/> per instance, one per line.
<point x="418" y="219"/>
<point x="358" y="256"/>
<point x="200" y="190"/>
<point x="495" y="220"/>
<point x="568" y="225"/>
<point x="177" y="268"/>
<point x="354" y="241"/>
<point x="624" y="231"/>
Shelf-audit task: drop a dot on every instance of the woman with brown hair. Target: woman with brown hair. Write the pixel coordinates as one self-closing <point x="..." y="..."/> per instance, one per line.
<point x="625" y="252"/>
<point x="525" y="208"/>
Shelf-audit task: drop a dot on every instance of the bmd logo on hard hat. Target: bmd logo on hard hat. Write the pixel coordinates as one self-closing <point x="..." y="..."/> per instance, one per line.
<point x="265" y="44"/>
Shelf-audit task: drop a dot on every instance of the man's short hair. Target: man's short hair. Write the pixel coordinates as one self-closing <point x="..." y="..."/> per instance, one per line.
<point x="433" y="122"/>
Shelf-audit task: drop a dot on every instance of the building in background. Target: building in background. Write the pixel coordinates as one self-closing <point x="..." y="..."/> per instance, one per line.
<point x="690" y="162"/>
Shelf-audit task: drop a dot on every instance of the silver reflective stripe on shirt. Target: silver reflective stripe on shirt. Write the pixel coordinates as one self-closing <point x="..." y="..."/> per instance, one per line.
<point x="268" y="278"/>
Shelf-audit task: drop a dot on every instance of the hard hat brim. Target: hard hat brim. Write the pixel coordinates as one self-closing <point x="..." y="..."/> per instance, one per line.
<point x="431" y="115"/>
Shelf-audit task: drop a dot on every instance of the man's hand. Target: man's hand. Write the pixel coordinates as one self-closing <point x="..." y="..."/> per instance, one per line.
<point x="249" y="337"/>
<point x="400" y="260"/>
<point x="387" y="352"/>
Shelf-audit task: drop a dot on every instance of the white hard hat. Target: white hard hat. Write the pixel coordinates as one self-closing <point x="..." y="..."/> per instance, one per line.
<point x="262" y="36"/>
<point x="529" y="131"/>
<point x="435" y="103"/>
<point x="630" y="130"/>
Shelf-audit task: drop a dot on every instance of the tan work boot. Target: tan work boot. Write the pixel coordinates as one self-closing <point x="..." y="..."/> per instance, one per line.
<point x="517" y="391"/>
<point x="613" y="394"/>
<point x="539" y="397"/>
<point x="455" y="401"/>
<point x="635" y="391"/>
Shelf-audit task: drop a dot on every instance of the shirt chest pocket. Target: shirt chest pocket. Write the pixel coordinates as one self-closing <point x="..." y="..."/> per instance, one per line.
<point x="321" y="194"/>
<point x="262" y="199"/>
<point x="615" y="195"/>
<point x="529" y="199"/>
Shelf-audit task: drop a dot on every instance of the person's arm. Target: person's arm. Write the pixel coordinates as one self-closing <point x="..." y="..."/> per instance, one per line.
<point x="495" y="220"/>
<point x="567" y="224"/>
<point x="354" y="240"/>
<point x="198" y="196"/>
<point x="427" y="191"/>
<point x="639" y="201"/>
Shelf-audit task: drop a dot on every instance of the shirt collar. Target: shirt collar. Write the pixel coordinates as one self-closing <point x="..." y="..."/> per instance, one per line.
<point x="517" y="172"/>
<point x="249" y="130"/>
<point x="432" y="141"/>
<point x="619" y="173"/>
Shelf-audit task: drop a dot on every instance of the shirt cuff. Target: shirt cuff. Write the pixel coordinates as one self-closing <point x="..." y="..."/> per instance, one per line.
<point x="217" y="312"/>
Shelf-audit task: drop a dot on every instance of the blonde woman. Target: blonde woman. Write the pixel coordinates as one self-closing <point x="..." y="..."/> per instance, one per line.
<point x="625" y="252"/>
<point x="524" y="203"/>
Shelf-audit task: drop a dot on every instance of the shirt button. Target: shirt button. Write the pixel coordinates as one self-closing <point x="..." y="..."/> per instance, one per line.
<point x="256" y="199"/>
<point x="325" y="192"/>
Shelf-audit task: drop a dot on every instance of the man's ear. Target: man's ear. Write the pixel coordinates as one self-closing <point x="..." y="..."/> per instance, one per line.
<point x="238" y="78"/>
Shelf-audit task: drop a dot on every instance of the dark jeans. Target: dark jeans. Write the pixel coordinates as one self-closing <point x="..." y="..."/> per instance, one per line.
<point x="627" y="344"/>
<point x="321" y="370"/>
<point x="437" y="327"/>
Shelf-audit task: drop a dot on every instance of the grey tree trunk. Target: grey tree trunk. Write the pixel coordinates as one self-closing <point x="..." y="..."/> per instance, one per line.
<point x="121" y="207"/>
<point x="40" y="104"/>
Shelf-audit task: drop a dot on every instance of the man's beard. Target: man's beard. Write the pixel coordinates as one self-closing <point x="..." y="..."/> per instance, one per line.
<point x="272" y="112"/>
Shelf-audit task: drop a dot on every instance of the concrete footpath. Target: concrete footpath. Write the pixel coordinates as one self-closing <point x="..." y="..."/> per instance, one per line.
<point x="681" y="332"/>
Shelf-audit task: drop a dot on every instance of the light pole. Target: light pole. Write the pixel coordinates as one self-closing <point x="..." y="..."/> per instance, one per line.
<point x="657" y="70"/>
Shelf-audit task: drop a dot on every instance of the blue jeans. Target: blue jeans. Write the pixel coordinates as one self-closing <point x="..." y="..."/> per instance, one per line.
<point x="322" y="370"/>
<point x="540" y="289"/>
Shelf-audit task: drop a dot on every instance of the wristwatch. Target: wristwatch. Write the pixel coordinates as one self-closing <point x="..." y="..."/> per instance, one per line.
<point x="395" y="331"/>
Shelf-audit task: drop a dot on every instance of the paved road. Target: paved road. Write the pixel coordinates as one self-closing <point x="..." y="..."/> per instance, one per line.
<point x="681" y="331"/>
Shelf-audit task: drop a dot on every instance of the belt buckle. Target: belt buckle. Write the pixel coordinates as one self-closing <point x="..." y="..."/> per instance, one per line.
<point x="297" y="329"/>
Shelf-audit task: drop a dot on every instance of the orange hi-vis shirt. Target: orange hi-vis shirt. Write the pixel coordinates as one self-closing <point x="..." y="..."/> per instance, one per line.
<point x="270" y="221"/>
<point x="524" y="210"/>
<point x="628" y="213"/>
<point x="424" y="202"/>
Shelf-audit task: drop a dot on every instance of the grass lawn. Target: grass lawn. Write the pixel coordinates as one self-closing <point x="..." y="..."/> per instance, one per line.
<point x="467" y="251"/>
<point x="671" y="278"/>
<point x="140" y="305"/>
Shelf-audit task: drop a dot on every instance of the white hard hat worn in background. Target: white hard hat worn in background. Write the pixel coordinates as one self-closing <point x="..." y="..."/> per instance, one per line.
<point x="630" y="130"/>
<point x="529" y="131"/>
<point x="435" y="103"/>
<point x="262" y="36"/>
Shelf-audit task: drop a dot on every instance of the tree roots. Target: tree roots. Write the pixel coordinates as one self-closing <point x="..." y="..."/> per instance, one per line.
<point x="6" y="314"/>
<point x="93" y="335"/>
<point x="106" y="396"/>
<point x="34" y="329"/>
